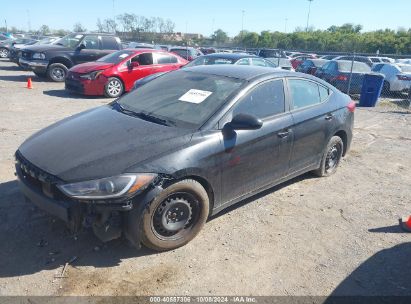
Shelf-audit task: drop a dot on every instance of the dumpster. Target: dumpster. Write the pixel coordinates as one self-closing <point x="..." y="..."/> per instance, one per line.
<point x="371" y="89"/>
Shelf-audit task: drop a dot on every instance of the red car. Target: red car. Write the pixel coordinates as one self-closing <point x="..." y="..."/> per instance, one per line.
<point x="114" y="74"/>
<point x="300" y="59"/>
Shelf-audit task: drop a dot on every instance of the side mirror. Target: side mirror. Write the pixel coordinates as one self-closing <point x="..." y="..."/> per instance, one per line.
<point x="81" y="47"/>
<point x="245" y="122"/>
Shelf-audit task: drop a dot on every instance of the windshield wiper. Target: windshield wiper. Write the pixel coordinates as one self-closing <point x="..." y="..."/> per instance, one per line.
<point x="142" y="115"/>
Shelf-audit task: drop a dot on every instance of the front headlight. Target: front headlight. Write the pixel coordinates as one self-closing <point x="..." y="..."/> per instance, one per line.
<point x="110" y="187"/>
<point x="39" y="56"/>
<point x="92" y="75"/>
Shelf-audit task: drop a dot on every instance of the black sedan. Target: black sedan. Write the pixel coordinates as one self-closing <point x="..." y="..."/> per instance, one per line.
<point x="156" y="163"/>
<point x="231" y="58"/>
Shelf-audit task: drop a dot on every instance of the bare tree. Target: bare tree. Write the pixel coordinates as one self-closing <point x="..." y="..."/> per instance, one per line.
<point x="79" y="28"/>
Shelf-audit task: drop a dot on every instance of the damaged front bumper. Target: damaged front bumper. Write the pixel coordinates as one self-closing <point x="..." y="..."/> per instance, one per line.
<point x="108" y="219"/>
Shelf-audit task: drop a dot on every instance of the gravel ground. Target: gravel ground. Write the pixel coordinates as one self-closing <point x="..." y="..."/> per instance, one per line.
<point x="310" y="236"/>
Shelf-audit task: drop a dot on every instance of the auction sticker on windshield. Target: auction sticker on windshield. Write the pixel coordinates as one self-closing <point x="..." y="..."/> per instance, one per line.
<point x="195" y="96"/>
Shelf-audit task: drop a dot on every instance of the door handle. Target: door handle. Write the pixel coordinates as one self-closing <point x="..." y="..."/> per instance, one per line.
<point x="329" y="117"/>
<point x="283" y="134"/>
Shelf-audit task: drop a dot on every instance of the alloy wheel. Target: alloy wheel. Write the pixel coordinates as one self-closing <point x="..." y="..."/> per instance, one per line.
<point x="114" y="87"/>
<point x="4" y="53"/>
<point x="58" y="74"/>
<point x="333" y="158"/>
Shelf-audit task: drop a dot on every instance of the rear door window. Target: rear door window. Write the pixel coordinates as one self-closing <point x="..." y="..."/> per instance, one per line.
<point x="109" y="43"/>
<point x="306" y="93"/>
<point x="165" y="59"/>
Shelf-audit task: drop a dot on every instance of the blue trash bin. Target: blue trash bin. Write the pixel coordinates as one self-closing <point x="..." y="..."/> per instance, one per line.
<point x="371" y="89"/>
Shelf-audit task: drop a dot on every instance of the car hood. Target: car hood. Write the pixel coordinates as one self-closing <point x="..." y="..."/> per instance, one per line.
<point x="90" y="67"/>
<point x="99" y="143"/>
<point x="46" y="47"/>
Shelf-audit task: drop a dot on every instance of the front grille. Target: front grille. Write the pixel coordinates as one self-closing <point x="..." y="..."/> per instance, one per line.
<point x="38" y="178"/>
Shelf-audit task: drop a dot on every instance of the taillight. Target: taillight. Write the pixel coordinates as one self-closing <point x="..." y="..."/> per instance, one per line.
<point x="351" y="106"/>
<point x="403" y="77"/>
<point x="341" y="78"/>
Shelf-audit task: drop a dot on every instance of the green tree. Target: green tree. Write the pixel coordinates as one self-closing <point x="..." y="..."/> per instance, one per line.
<point x="219" y="36"/>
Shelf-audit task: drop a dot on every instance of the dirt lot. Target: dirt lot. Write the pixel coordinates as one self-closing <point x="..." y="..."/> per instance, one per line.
<point x="309" y="236"/>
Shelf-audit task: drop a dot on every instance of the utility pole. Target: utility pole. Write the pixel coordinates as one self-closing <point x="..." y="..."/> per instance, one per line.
<point x="309" y="12"/>
<point x="212" y="27"/>
<point x="242" y="27"/>
<point x="285" y="29"/>
<point x="5" y="23"/>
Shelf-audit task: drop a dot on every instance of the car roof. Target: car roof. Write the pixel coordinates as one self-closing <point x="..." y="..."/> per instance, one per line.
<point x="239" y="71"/>
<point x="138" y="50"/>
<point x="231" y="55"/>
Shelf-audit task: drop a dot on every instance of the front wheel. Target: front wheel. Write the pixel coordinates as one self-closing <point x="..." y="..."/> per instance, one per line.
<point x="114" y="88"/>
<point x="175" y="216"/>
<point x="331" y="158"/>
<point x="57" y="72"/>
<point x="4" y="53"/>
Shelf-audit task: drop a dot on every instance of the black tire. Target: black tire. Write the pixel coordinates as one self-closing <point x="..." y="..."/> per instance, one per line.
<point x="386" y="88"/>
<point x="57" y="72"/>
<point x="331" y="158"/>
<point x="4" y="53"/>
<point x="114" y="88"/>
<point x="162" y="228"/>
<point x="41" y="75"/>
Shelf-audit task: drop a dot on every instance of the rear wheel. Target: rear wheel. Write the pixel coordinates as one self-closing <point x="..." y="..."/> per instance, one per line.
<point x="57" y="72"/>
<point x="386" y="89"/>
<point x="176" y="216"/>
<point x="4" y="53"/>
<point x="331" y="158"/>
<point x="114" y="88"/>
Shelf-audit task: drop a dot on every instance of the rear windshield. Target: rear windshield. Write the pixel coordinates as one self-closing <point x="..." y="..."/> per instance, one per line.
<point x="116" y="57"/>
<point x="186" y="99"/>
<point x="357" y="67"/>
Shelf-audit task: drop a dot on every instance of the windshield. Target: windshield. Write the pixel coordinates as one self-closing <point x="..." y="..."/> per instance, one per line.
<point x="406" y="68"/>
<point x="186" y="99"/>
<point x="204" y="60"/>
<point x="116" y="57"/>
<point x="70" y="41"/>
<point x="358" y="67"/>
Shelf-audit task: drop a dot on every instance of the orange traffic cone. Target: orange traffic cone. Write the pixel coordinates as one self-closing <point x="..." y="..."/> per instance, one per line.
<point x="29" y="83"/>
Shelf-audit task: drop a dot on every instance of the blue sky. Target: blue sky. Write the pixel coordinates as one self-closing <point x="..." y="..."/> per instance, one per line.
<point x="198" y="16"/>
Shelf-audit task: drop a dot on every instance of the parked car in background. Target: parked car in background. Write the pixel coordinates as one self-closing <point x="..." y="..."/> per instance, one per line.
<point x="15" y="53"/>
<point x="291" y="55"/>
<point x="296" y="61"/>
<point x="207" y="51"/>
<point x="403" y="61"/>
<point x="397" y="77"/>
<point x="381" y="60"/>
<point x="155" y="164"/>
<point x="6" y="45"/>
<point x="338" y="73"/>
<point x="231" y="58"/>
<point x="329" y="57"/>
<point x="310" y="66"/>
<point x="271" y="53"/>
<point x="140" y="45"/>
<point x="363" y="59"/>
<point x="116" y="73"/>
<point x="54" y="60"/>
<point x="188" y="53"/>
